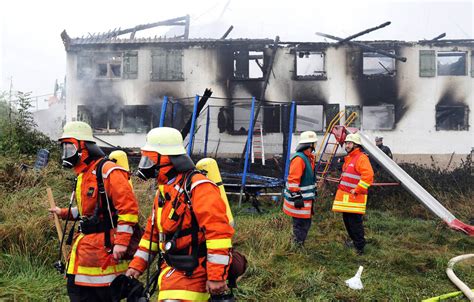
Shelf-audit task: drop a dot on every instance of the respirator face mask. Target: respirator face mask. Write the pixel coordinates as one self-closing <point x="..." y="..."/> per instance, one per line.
<point x="147" y="168"/>
<point x="70" y="155"/>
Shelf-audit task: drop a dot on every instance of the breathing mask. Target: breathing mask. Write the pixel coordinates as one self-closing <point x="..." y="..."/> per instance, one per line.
<point x="70" y="155"/>
<point x="148" y="169"/>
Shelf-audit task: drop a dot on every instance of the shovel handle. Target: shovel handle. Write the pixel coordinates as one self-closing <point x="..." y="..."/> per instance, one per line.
<point x="59" y="230"/>
<point x="52" y="204"/>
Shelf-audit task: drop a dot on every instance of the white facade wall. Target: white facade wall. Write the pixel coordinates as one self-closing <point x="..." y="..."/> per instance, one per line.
<point x="414" y="132"/>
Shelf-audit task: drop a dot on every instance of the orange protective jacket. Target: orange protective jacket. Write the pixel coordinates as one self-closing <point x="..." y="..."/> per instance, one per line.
<point x="89" y="260"/>
<point x="293" y="184"/>
<point x="215" y="231"/>
<point x="358" y="175"/>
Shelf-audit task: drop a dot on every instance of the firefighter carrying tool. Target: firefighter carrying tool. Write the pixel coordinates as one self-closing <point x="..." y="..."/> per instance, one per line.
<point x="107" y="212"/>
<point x="191" y="229"/>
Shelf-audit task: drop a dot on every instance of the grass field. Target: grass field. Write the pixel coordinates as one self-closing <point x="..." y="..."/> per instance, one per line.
<point x="406" y="256"/>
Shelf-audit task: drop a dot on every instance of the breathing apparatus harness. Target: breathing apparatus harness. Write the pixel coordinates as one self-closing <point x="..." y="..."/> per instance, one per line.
<point x="95" y="223"/>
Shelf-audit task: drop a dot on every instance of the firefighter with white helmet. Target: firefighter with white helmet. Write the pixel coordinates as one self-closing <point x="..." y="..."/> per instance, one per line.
<point x="351" y="195"/>
<point x="107" y="212"/>
<point x="300" y="188"/>
<point x="188" y="224"/>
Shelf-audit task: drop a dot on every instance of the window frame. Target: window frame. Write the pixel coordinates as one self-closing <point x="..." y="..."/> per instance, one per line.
<point x="235" y="63"/>
<point x="466" y="117"/>
<point x="314" y="77"/>
<point x="393" y="73"/>
<point x="156" y="76"/>
<point x="439" y="54"/>
<point x="367" y="116"/>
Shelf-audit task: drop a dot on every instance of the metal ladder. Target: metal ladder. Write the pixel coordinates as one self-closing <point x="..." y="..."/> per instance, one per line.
<point x="328" y="149"/>
<point x="258" y="149"/>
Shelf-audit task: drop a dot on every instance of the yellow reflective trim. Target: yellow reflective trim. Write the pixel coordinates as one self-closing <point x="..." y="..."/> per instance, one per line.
<point x="363" y="184"/>
<point x="183" y="295"/>
<point x="348" y="209"/>
<point x="98" y="271"/>
<point x="78" y="193"/>
<point x="352" y="205"/>
<point x="171" y="213"/>
<point x="128" y="218"/>
<point x="146" y="245"/>
<point x="158" y="218"/>
<point x="345" y="198"/>
<point x="72" y="258"/>
<point x="219" y="243"/>
<point x="163" y="272"/>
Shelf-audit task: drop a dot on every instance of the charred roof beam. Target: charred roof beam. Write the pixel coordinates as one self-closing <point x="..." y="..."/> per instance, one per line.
<point x="364" y="32"/>
<point x="364" y="46"/>
<point x="180" y="21"/>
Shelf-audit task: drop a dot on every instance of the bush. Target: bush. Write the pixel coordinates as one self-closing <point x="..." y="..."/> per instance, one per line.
<point x="18" y="135"/>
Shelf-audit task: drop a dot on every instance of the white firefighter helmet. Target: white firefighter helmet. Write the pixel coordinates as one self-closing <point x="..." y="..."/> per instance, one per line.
<point x="164" y="140"/>
<point x="78" y="130"/>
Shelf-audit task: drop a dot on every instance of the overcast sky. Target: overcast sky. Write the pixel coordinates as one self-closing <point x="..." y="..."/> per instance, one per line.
<point x="32" y="53"/>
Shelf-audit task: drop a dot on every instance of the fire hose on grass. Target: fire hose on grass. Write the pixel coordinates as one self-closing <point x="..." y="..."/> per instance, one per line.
<point x="469" y="293"/>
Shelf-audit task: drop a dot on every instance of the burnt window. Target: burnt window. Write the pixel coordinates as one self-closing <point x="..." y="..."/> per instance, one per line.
<point x="84" y="114"/>
<point x="241" y="119"/>
<point x="84" y="67"/>
<point x="378" y="117"/>
<point x="130" y="65"/>
<point x="330" y="112"/>
<point x="356" y="122"/>
<point x="451" y="63"/>
<point x="137" y="119"/>
<point x="377" y="64"/>
<point x="101" y="119"/>
<point x="167" y="65"/>
<point x="427" y="63"/>
<point x="310" y="65"/>
<point x="452" y="117"/>
<point x="309" y="117"/>
<point x="108" y="65"/>
<point x="271" y="118"/>
<point x="248" y="64"/>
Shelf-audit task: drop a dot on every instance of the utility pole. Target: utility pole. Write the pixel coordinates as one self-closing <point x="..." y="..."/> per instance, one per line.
<point x="10" y="107"/>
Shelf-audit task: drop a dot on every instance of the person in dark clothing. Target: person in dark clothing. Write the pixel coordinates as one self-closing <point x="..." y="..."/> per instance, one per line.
<point x="223" y="120"/>
<point x="385" y="149"/>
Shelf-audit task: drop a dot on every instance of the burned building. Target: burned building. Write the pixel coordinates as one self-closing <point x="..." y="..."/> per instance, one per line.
<point x="421" y="106"/>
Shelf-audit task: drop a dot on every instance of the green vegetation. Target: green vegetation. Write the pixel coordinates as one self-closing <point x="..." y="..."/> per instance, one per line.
<point x="18" y="135"/>
<point x="407" y="253"/>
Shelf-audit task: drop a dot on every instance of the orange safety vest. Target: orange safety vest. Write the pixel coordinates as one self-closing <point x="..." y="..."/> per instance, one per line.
<point x="89" y="260"/>
<point x="351" y="179"/>
<point x="301" y="179"/>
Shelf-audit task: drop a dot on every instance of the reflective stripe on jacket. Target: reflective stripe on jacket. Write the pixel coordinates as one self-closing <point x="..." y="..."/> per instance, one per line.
<point x="357" y="175"/>
<point x="89" y="260"/>
<point x="300" y="179"/>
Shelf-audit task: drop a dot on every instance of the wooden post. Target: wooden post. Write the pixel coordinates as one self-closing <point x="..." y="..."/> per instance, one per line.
<point x="59" y="230"/>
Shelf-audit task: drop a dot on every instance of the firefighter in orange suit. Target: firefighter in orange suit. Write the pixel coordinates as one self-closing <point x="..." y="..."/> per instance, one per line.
<point x="104" y="235"/>
<point x="351" y="195"/>
<point x="300" y="189"/>
<point x="188" y="224"/>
